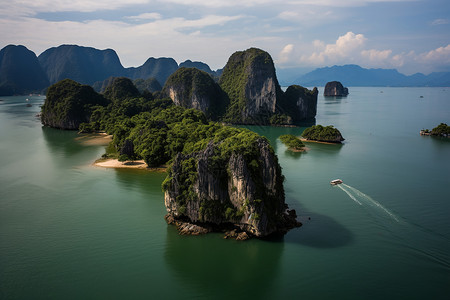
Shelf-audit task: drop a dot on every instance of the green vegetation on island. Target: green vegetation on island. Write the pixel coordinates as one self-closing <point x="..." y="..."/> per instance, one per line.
<point x="249" y="79"/>
<point x="323" y="134"/>
<point x="69" y="104"/>
<point x="440" y="130"/>
<point x="193" y="88"/>
<point x="209" y="163"/>
<point x="292" y="142"/>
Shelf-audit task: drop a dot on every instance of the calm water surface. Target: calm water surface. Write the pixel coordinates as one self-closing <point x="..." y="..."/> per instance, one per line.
<point x="69" y="230"/>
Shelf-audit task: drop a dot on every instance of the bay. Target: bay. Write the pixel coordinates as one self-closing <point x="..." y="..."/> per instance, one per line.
<point x="70" y="230"/>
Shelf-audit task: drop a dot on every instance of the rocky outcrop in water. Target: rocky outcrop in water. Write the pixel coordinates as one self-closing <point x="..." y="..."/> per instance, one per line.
<point x="192" y="88"/>
<point x="232" y="192"/>
<point x="320" y="133"/>
<point x="68" y="104"/>
<point x="335" y="89"/>
<point x="255" y="95"/>
<point x="300" y="103"/>
<point x="250" y="81"/>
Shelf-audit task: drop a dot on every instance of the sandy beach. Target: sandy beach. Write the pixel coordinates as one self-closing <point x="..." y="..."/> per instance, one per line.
<point x="136" y="164"/>
<point x="94" y="139"/>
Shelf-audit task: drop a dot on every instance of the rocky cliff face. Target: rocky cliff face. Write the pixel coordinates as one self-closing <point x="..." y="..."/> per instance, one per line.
<point x="238" y="191"/>
<point x="250" y="81"/>
<point x="300" y="103"/>
<point x="20" y="72"/>
<point x="192" y="88"/>
<point x="335" y="89"/>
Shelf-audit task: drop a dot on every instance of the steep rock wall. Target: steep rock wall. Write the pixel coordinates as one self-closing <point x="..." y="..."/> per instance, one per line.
<point x="250" y="81"/>
<point x="239" y="191"/>
<point x="300" y="103"/>
<point x="193" y="88"/>
<point x="335" y="89"/>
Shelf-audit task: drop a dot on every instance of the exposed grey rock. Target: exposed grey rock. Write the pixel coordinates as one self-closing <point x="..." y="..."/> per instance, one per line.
<point x="248" y="195"/>
<point x="335" y="89"/>
<point x="300" y="103"/>
<point x="193" y="88"/>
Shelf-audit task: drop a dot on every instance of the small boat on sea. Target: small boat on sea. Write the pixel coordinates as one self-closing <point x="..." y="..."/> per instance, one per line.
<point x="336" y="181"/>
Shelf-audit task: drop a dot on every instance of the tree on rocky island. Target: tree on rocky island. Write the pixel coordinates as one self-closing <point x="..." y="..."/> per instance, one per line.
<point x="323" y="134"/>
<point x="441" y="130"/>
<point x="292" y="142"/>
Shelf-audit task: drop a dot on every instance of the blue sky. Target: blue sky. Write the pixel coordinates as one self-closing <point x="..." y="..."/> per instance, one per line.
<point x="408" y="35"/>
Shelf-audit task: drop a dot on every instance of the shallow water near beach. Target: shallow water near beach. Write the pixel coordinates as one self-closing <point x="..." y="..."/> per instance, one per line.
<point x="69" y="230"/>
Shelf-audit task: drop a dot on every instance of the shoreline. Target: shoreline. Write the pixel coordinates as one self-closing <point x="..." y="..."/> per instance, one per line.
<point x="318" y="142"/>
<point x="113" y="163"/>
<point x="94" y="139"/>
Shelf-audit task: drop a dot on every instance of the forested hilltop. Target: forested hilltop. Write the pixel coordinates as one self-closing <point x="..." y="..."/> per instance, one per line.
<point x="218" y="176"/>
<point x="246" y="91"/>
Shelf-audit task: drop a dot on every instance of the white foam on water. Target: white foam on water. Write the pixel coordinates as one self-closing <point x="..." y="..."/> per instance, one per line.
<point x="349" y="194"/>
<point x="369" y="199"/>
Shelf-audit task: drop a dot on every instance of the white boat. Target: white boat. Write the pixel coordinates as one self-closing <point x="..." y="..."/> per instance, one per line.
<point x="336" y="181"/>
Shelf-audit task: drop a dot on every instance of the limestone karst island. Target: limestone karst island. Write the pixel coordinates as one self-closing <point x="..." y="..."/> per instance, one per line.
<point x="219" y="178"/>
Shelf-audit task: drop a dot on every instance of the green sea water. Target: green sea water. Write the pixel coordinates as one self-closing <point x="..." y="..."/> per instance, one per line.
<point x="69" y="230"/>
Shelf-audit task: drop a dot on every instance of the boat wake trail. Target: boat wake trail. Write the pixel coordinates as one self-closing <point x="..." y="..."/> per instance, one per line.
<point x="349" y="194"/>
<point x="356" y="194"/>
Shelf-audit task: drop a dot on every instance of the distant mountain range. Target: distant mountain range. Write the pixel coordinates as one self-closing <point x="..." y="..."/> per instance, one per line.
<point x="22" y="72"/>
<point x="353" y="75"/>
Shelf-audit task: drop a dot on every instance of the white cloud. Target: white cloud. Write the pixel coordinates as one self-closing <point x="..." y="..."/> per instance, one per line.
<point x="285" y="54"/>
<point x="145" y="16"/>
<point x="376" y="56"/>
<point x="224" y="3"/>
<point x="345" y="48"/>
<point x="341" y="3"/>
<point x="135" y="42"/>
<point x="439" y="55"/>
<point x="351" y="49"/>
<point x="31" y="7"/>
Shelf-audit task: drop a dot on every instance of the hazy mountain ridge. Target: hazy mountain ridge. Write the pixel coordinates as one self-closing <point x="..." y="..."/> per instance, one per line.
<point x="85" y="65"/>
<point x="354" y="75"/>
<point x="20" y="71"/>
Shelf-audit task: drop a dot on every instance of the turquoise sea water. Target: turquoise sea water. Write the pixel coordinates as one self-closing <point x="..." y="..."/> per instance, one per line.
<point x="69" y="230"/>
